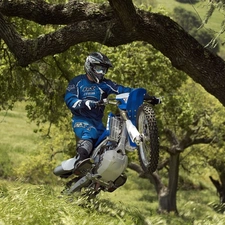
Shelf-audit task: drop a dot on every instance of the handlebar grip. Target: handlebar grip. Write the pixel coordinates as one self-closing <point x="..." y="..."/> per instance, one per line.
<point x="103" y="101"/>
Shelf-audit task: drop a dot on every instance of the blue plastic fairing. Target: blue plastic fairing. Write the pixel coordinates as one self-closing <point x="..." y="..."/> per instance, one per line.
<point x="135" y="99"/>
<point x="106" y="132"/>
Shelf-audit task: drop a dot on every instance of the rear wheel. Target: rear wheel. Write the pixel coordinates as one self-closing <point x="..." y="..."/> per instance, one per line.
<point x="148" y="150"/>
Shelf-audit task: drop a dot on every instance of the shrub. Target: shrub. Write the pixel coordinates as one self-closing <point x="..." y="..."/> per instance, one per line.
<point x="36" y="169"/>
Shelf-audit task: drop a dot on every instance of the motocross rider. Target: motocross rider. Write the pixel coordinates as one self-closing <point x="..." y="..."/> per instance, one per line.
<point x="82" y="96"/>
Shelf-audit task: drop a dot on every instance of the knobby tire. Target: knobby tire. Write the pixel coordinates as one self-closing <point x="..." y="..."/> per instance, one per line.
<point x="148" y="151"/>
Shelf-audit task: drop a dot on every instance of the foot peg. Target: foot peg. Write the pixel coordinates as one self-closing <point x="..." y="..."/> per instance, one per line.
<point x="82" y="167"/>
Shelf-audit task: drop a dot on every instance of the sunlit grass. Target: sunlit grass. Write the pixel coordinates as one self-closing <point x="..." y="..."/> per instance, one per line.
<point x="199" y="9"/>
<point x="27" y="204"/>
<point x="16" y="131"/>
<point x="43" y="204"/>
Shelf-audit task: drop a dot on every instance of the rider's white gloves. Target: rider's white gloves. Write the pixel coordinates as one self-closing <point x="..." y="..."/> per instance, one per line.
<point x="80" y="104"/>
<point x="90" y="104"/>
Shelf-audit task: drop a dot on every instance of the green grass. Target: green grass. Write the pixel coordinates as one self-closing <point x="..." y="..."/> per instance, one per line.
<point x="16" y="132"/>
<point x="200" y="9"/>
<point x="42" y="204"/>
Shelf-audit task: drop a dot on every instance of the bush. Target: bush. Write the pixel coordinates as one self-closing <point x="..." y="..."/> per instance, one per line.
<point x="38" y="166"/>
<point x="36" y="169"/>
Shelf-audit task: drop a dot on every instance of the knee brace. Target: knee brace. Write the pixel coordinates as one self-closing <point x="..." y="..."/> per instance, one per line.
<point x="84" y="148"/>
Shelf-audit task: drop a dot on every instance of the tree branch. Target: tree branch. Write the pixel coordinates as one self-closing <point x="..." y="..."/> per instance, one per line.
<point x="126" y="12"/>
<point x="44" y="13"/>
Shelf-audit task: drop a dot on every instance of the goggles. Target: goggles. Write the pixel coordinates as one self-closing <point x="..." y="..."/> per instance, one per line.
<point x="100" y="69"/>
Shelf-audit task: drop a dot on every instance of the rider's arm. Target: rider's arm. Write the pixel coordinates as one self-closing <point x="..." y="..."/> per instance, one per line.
<point x="114" y="88"/>
<point x="72" y="95"/>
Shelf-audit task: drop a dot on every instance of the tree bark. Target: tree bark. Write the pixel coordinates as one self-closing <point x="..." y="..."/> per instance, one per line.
<point x="167" y="196"/>
<point x="112" y="25"/>
<point x="220" y="187"/>
<point x="154" y="178"/>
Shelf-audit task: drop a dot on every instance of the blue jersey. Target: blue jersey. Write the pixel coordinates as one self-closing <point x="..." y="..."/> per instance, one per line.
<point x="81" y="88"/>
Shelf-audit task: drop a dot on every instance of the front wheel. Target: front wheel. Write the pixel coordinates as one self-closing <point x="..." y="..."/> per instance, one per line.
<point x="148" y="150"/>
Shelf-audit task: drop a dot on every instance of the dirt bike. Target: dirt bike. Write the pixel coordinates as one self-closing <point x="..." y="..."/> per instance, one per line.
<point x="133" y="128"/>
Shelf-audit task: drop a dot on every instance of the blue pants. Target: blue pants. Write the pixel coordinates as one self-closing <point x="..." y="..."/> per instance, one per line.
<point x="87" y="129"/>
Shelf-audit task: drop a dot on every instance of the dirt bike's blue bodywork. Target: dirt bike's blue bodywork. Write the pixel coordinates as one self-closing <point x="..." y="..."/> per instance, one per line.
<point x="129" y="102"/>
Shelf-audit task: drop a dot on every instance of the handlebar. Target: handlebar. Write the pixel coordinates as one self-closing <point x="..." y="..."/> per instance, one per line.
<point x="113" y="101"/>
<point x="107" y="101"/>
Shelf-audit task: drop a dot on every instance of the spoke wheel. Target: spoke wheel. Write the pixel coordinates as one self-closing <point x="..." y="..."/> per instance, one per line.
<point x="148" y="150"/>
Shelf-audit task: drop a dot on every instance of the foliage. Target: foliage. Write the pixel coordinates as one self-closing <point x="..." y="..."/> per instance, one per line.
<point x="147" y="67"/>
<point x="12" y="84"/>
<point x="54" y="148"/>
<point x="214" y="5"/>
<point x="191" y="23"/>
<point x="36" y="168"/>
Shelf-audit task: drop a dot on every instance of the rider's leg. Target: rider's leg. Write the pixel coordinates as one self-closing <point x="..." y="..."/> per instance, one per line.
<point x="86" y="131"/>
<point x="84" y="148"/>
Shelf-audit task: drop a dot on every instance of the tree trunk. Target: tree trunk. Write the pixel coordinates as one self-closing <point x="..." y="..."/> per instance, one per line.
<point x="220" y="187"/>
<point x="153" y="178"/>
<point x="167" y="196"/>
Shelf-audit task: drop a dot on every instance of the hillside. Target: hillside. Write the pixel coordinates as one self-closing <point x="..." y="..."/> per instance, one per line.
<point x="199" y="9"/>
<point x="135" y="203"/>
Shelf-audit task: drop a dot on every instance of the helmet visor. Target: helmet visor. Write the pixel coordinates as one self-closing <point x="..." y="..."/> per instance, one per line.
<point x="100" y="69"/>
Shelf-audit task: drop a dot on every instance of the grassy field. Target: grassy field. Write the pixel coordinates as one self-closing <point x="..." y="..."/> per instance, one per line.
<point x="199" y="9"/>
<point x="133" y="204"/>
<point x="17" y="133"/>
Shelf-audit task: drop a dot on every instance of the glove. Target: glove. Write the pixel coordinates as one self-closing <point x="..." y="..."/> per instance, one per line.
<point x="152" y="99"/>
<point x="90" y="104"/>
<point x="81" y="104"/>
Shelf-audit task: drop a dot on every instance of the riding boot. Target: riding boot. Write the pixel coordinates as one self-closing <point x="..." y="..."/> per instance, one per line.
<point x="84" y="148"/>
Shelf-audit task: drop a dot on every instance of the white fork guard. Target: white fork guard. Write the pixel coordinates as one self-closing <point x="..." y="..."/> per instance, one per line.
<point x="133" y="132"/>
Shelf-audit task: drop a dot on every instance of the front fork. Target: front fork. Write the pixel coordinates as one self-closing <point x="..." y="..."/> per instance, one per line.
<point x="134" y="134"/>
